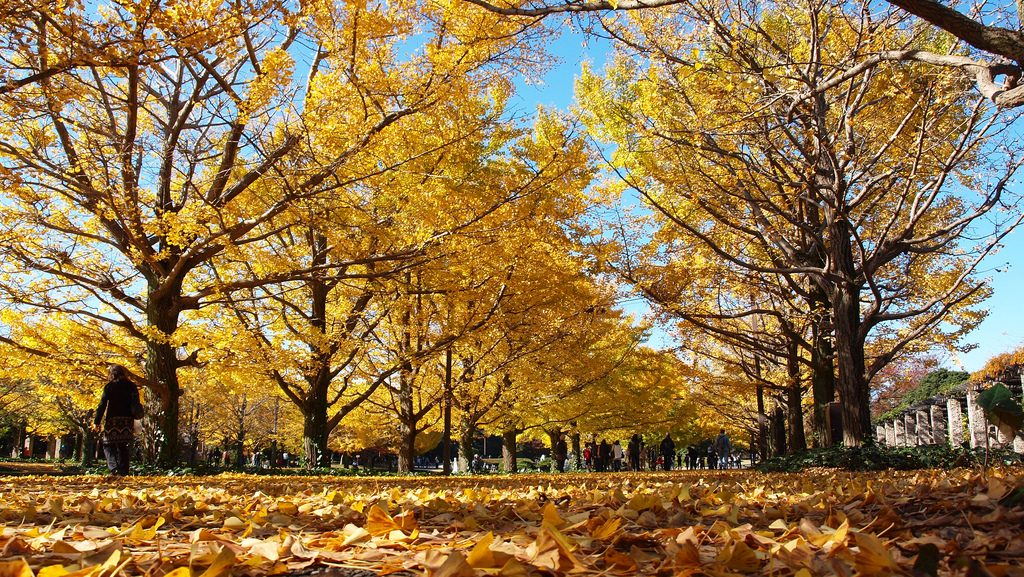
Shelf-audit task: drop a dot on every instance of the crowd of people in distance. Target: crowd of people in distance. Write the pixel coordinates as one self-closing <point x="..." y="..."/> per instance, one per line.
<point x="601" y="456"/>
<point x="120" y="406"/>
<point x="719" y="455"/>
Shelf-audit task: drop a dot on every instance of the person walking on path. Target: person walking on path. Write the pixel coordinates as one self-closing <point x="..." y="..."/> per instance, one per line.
<point x="724" y="449"/>
<point x="668" y="452"/>
<point x="633" y="452"/>
<point x="561" y="453"/>
<point x="617" y="456"/>
<point x="604" y="455"/>
<point x="119" y="397"/>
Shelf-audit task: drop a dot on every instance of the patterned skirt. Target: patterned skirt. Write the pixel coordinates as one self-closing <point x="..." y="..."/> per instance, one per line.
<point x="119" y="430"/>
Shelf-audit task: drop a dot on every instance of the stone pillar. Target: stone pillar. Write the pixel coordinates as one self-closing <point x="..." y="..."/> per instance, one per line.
<point x="910" y="422"/>
<point x="901" y="431"/>
<point x="998" y="438"/>
<point x="1018" y="441"/>
<point x="977" y="424"/>
<point x="924" y="427"/>
<point x="955" y="419"/>
<point x="880" y="433"/>
<point x="890" y="434"/>
<point x="940" y="428"/>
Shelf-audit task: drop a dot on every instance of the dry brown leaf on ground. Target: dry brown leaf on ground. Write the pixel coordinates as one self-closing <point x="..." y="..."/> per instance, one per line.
<point x="664" y="524"/>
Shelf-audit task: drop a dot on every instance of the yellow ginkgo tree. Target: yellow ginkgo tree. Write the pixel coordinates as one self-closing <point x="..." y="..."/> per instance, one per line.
<point x="860" y="191"/>
<point x="155" y="138"/>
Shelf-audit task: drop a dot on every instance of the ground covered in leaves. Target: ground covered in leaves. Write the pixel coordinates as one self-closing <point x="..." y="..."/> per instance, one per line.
<point x="658" y="524"/>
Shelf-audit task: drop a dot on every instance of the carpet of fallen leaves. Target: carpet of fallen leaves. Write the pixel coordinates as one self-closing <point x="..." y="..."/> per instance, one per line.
<point x="658" y="524"/>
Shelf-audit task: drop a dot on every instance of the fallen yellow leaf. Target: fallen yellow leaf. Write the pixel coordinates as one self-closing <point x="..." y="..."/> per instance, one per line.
<point x="481" y="557"/>
<point x="15" y="568"/>
<point x="607" y="530"/>
<point x="873" y="558"/>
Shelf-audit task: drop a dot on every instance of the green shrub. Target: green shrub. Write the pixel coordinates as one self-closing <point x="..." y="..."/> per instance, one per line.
<point x="871" y="457"/>
<point x="934" y="383"/>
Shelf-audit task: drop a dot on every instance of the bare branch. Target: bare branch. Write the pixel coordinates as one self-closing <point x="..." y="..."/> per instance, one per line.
<point x="569" y="7"/>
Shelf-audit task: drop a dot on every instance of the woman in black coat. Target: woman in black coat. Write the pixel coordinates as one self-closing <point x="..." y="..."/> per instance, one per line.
<point x="119" y="396"/>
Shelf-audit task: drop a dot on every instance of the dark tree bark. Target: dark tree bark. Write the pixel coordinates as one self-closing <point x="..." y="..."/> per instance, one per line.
<point x="87" y="446"/>
<point x="315" y="431"/>
<point x="446" y="438"/>
<point x="508" y="450"/>
<point x="779" y="431"/>
<point x="406" y="423"/>
<point x="466" y="433"/>
<point x="1001" y="41"/>
<point x="852" y="387"/>
<point x="762" y="424"/>
<point x="577" y="453"/>
<point x="161" y="365"/>
<point x="823" y="386"/>
<point x="794" y="404"/>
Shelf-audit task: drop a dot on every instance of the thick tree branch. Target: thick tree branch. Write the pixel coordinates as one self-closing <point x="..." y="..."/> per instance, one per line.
<point x="1001" y="41"/>
<point x="1008" y="94"/>
<point x="575" y="7"/>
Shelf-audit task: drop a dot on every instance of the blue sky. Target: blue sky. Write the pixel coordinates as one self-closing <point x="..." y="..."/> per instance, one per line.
<point x="1002" y="330"/>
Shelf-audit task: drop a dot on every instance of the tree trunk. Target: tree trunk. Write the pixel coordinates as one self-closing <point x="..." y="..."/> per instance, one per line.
<point x="852" y="388"/>
<point x="240" y="433"/>
<point x="88" y="446"/>
<point x="553" y="436"/>
<point x="762" y="424"/>
<point x="406" y="411"/>
<point x="162" y="367"/>
<point x="160" y="361"/>
<point x="406" y="424"/>
<point x="842" y="282"/>
<point x="19" y="442"/>
<point x="314" y="429"/>
<point x="797" y="439"/>
<point x="508" y="450"/>
<point x="779" y="431"/>
<point x="823" y="379"/>
<point x="446" y="437"/>
<point x="466" y="432"/>
<point x="577" y="453"/>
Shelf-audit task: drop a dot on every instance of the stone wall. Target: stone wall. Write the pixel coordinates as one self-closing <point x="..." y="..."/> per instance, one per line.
<point x="940" y="420"/>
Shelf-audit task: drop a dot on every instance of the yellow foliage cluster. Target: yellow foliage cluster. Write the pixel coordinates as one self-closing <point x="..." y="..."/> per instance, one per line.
<point x="792" y="181"/>
<point x="309" y="203"/>
<point x="996" y="366"/>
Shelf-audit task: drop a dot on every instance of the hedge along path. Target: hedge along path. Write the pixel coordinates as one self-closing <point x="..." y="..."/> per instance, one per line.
<point x="660" y="524"/>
